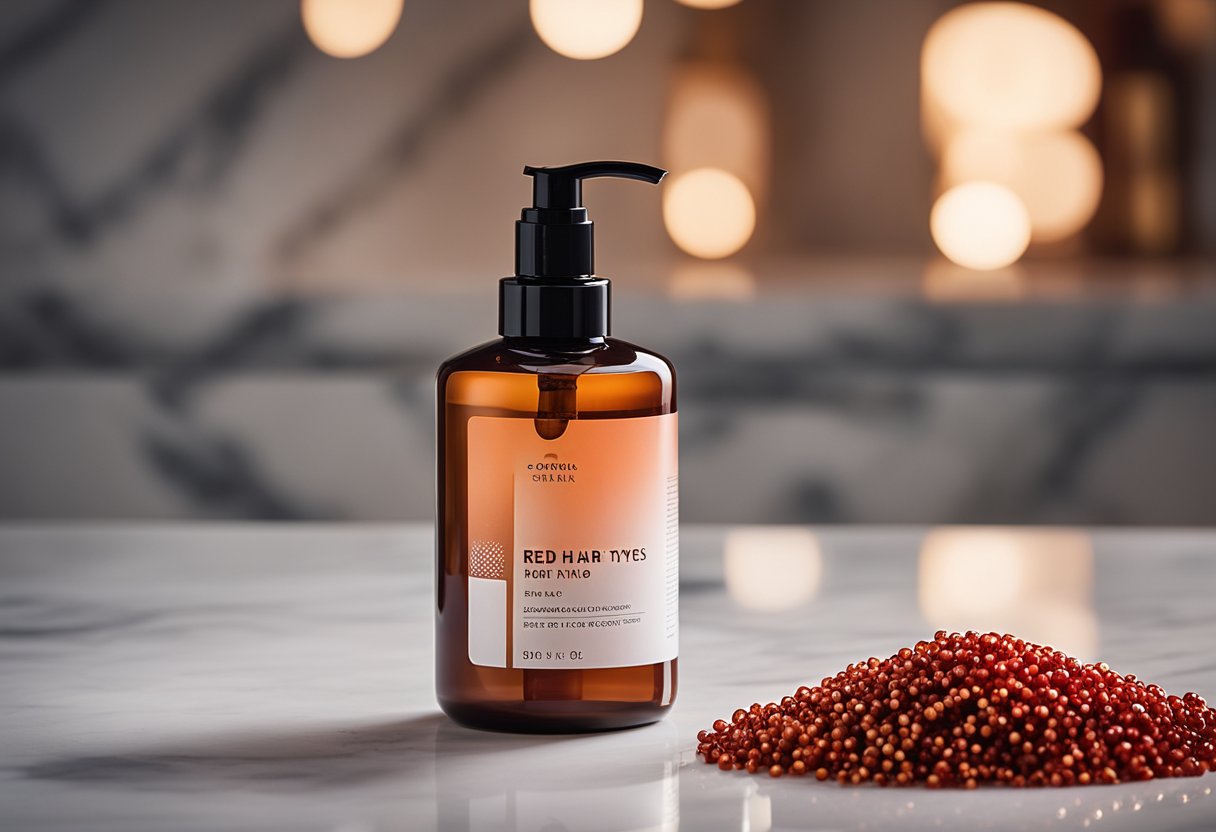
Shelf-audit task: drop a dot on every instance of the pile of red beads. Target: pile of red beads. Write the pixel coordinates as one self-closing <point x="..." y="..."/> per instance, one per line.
<point x="968" y="709"/>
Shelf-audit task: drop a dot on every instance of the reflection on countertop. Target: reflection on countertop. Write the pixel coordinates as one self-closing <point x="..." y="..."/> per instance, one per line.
<point x="238" y="677"/>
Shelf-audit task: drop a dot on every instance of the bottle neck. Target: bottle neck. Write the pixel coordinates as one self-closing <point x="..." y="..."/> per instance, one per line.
<point x="570" y="309"/>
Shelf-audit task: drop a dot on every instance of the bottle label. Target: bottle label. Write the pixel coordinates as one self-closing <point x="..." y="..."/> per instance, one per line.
<point x="574" y="555"/>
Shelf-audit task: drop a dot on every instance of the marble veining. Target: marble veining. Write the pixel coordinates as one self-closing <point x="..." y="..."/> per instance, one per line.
<point x="279" y="677"/>
<point x="217" y="405"/>
<point x="164" y="216"/>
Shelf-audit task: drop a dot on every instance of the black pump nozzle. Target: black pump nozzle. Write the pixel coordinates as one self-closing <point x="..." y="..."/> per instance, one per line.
<point x="555" y="293"/>
<point x="562" y="187"/>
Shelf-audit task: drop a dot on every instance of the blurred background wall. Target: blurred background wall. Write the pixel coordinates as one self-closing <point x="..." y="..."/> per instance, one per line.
<point x="236" y="239"/>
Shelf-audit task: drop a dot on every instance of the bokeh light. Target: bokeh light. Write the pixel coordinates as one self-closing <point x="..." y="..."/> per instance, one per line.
<point x="753" y="554"/>
<point x="1060" y="181"/>
<point x="350" y="28"/>
<point x="586" y="29"/>
<point x="1010" y="65"/>
<point x="1189" y="24"/>
<point x="1057" y="174"/>
<point x="1141" y="130"/>
<point x="709" y="213"/>
<point x="980" y="225"/>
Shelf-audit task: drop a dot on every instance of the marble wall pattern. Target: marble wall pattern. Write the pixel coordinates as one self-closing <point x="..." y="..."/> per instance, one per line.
<point x="175" y="403"/>
<point x="227" y="274"/>
<point x="212" y="143"/>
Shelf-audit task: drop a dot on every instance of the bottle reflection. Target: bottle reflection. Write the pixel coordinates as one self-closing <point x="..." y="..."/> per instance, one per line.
<point x="556" y="783"/>
<point x="712" y="801"/>
<point x="757" y="813"/>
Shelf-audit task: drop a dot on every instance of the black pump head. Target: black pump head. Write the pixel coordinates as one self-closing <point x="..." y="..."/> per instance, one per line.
<point x="554" y="238"/>
<point x="554" y="293"/>
<point x="562" y="187"/>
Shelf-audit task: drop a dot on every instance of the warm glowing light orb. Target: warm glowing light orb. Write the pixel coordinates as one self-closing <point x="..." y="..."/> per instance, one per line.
<point x="1057" y="174"/>
<point x="709" y="213"/>
<point x="709" y="4"/>
<point x="980" y="225"/>
<point x="586" y="29"/>
<point x="350" y="28"/>
<point x="1010" y="65"/>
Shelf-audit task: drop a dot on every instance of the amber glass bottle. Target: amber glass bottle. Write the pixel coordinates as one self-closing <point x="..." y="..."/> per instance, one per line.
<point x="557" y="521"/>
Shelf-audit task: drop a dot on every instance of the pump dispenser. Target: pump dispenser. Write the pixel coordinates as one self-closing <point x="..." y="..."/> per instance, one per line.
<point x="554" y="293"/>
<point x="557" y="542"/>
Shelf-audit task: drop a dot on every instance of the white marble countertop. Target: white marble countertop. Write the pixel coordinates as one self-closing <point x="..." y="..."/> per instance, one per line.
<point x="279" y="677"/>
